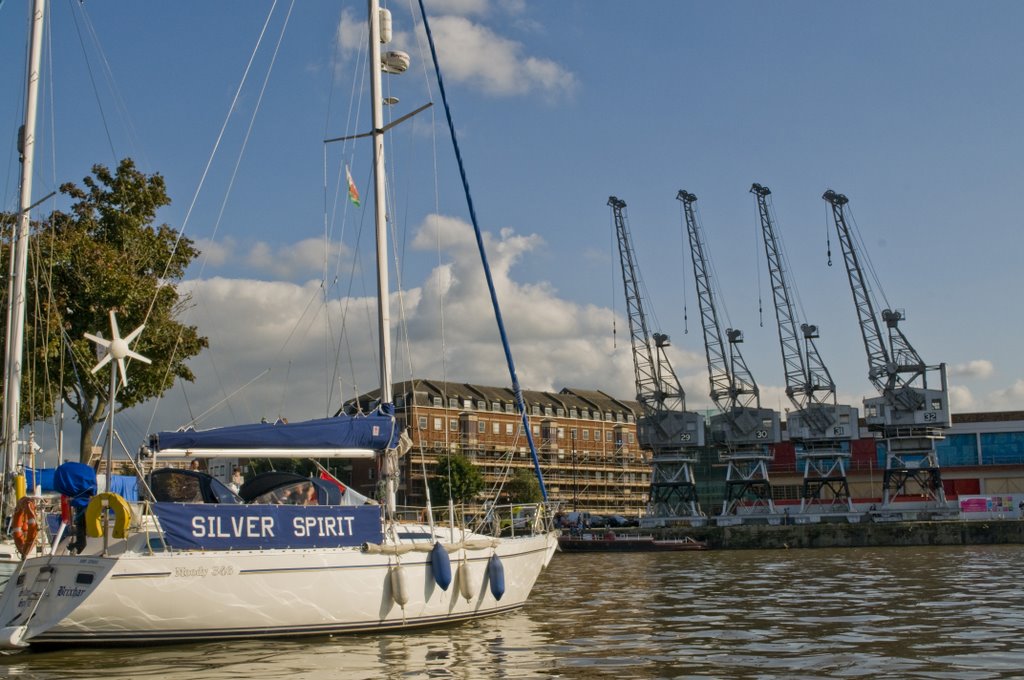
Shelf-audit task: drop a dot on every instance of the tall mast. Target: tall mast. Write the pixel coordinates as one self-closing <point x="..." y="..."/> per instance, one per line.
<point x="380" y="205"/>
<point x="16" y="319"/>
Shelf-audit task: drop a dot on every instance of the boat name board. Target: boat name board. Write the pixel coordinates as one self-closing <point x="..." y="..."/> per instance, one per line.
<point x="261" y="527"/>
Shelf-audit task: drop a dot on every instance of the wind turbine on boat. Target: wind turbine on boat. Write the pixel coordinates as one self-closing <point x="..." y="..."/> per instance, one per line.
<point x="116" y="349"/>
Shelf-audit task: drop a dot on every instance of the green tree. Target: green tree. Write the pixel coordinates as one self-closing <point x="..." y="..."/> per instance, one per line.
<point x="105" y="254"/>
<point x="457" y="477"/>
<point x="523" y="487"/>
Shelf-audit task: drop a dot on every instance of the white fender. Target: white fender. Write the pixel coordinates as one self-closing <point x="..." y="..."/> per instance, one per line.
<point x="13" y="637"/>
<point x="399" y="591"/>
<point x="464" y="578"/>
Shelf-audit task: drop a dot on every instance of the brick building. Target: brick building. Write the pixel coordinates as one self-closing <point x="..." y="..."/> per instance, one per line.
<point x="585" y="439"/>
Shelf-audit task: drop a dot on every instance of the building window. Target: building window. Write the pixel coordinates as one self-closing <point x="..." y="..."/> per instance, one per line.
<point x="481" y="427"/>
<point x="496" y="427"/>
<point x="437" y="424"/>
<point x="535" y="410"/>
<point x="453" y="402"/>
<point x="438" y="402"/>
<point x="453" y="425"/>
<point x="508" y="428"/>
<point x="608" y="436"/>
<point x="496" y="406"/>
<point x="560" y="412"/>
<point x="371" y="474"/>
<point x="423" y="422"/>
<point x="632" y="439"/>
<point x="481" y="405"/>
<point x="509" y="409"/>
<point x="536" y="430"/>
<point x="573" y="413"/>
<point x="586" y="434"/>
<point x="548" y="412"/>
<point x="561" y="433"/>
<point x="572" y="434"/>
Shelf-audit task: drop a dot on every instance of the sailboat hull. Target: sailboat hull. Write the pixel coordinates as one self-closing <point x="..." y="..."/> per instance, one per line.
<point x="179" y="596"/>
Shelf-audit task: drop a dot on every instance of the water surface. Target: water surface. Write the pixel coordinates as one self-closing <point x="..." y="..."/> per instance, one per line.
<point x="944" y="612"/>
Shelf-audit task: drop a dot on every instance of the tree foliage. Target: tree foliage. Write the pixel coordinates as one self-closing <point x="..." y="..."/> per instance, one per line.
<point x="456" y="477"/>
<point x="105" y="254"/>
<point x="523" y="487"/>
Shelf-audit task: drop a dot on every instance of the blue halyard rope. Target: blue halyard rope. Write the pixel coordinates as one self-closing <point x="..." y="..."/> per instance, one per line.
<point x="483" y="257"/>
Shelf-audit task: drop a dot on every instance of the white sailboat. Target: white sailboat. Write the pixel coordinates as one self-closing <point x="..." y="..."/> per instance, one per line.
<point x="204" y="564"/>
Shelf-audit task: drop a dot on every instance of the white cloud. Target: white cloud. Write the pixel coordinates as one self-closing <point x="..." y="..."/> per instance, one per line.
<point x="978" y="368"/>
<point x="460" y="7"/>
<point x="351" y="32"/>
<point x="961" y="399"/>
<point x="1006" y="399"/>
<point x="215" y="253"/>
<point x="305" y="259"/>
<point x="474" y="54"/>
<point x="287" y="328"/>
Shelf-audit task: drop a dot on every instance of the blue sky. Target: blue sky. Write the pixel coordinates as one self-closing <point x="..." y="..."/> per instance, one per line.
<point x="911" y="109"/>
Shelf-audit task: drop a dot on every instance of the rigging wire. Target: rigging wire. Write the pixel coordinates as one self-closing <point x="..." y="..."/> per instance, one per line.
<point x="612" y="256"/>
<point x="202" y="181"/>
<point x="92" y="80"/>
<point x="682" y="268"/>
<point x="828" y="236"/>
<point x="517" y="390"/>
<point x="864" y="257"/>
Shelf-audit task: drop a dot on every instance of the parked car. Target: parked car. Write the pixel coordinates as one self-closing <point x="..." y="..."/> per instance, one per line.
<point x="618" y="521"/>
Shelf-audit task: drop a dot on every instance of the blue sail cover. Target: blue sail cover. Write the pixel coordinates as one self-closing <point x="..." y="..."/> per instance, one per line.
<point x="375" y="430"/>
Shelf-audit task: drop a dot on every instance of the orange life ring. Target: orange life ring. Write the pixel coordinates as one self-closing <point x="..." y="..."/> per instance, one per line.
<point x="25" y="525"/>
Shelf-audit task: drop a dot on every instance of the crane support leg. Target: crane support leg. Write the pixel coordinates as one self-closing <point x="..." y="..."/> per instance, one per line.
<point x="746" y="482"/>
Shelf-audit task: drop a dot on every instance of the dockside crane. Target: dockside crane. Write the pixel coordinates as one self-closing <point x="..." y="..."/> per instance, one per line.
<point x="673" y="435"/>
<point x="743" y="431"/>
<point x="820" y="428"/>
<point x="909" y="416"/>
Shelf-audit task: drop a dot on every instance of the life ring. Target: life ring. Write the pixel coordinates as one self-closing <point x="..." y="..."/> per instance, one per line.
<point x="94" y="515"/>
<point x="25" y="525"/>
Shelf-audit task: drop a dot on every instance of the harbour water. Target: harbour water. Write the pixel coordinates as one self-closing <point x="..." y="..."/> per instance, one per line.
<point x="939" y="612"/>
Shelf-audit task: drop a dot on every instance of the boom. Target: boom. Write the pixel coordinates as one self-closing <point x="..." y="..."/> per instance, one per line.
<point x="673" y="435"/>
<point x="743" y="430"/>
<point x="909" y="415"/>
<point x="819" y="428"/>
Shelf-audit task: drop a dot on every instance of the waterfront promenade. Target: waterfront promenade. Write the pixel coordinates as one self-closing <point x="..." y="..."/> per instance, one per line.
<point x="852" y="535"/>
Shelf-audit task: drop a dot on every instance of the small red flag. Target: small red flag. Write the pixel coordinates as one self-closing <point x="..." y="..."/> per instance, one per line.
<point x="327" y="477"/>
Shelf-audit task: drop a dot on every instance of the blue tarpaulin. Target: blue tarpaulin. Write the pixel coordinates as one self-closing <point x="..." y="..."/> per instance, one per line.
<point x="126" y="486"/>
<point x="370" y="431"/>
<point x="212" y="526"/>
<point x="77" y="481"/>
<point x="45" y="478"/>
